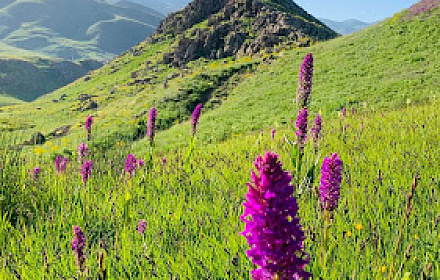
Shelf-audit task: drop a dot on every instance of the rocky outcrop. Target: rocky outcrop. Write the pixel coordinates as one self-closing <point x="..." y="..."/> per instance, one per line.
<point x="237" y="27"/>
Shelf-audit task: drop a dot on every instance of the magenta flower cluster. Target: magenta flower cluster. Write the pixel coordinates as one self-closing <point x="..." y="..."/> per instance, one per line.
<point x="86" y="171"/>
<point x="88" y="124"/>
<point x="36" y="173"/>
<point x="315" y="132"/>
<point x="301" y="127"/>
<point x="130" y="164"/>
<point x="195" y="118"/>
<point x="78" y="246"/>
<point x="82" y="152"/>
<point x="140" y="162"/>
<point x="423" y="6"/>
<point x="272" y="228"/>
<point x="331" y="178"/>
<point x="142" y="227"/>
<point x="305" y="82"/>
<point x="151" y="127"/>
<point x="61" y="164"/>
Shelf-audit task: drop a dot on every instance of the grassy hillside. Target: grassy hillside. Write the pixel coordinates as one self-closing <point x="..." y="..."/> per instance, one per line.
<point x="74" y="30"/>
<point x="388" y="73"/>
<point x="6" y="100"/>
<point x="384" y="66"/>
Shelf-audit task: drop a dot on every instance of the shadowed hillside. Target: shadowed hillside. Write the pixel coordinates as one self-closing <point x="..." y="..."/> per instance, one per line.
<point x="80" y="29"/>
<point x="29" y="79"/>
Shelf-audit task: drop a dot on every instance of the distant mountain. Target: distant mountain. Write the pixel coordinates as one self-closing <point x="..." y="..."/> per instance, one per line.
<point x="163" y="6"/>
<point x="74" y="29"/>
<point x="345" y="27"/>
<point x="47" y="44"/>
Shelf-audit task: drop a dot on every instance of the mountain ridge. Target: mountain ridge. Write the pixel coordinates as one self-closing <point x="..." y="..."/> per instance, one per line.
<point x="345" y="27"/>
<point x="216" y="29"/>
<point x="75" y="30"/>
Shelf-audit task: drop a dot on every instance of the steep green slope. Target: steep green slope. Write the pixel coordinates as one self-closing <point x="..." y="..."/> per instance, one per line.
<point x="74" y="30"/>
<point x="388" y="65"/>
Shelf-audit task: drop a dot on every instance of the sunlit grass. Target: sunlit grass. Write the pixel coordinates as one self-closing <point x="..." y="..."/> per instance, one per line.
<point x="193" y="217"/>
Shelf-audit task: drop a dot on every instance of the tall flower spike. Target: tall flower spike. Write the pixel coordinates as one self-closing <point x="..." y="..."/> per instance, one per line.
<point x="151" y="128"/>
<point x="78" y="246"/>
<point x="58" y="161"/>
<point x="88" y="126"/>
<point x="353" y="111"/>
<point x="86" y="171"/>
<point x="273" y="228"/>
<point x="36" y="173"/>
<point x="130" y="164"/>
<point x="305" y="82"/>
<point x="63" y="164"/>
<point x="301" y="127"/>
<point x="142" y="227"/>
<point x="315" y="132"/>
<point x="195" y="118"/>
<point x="82" y="152"/>
<point x="331" y="178"/>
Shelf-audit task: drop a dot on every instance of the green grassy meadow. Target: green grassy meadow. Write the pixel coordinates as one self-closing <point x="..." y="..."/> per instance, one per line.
<point x="388" y="73"/>
<point x="193" y="215"/>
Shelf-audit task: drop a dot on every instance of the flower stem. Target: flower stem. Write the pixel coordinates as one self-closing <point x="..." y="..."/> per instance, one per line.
<point x="409" y="206"/>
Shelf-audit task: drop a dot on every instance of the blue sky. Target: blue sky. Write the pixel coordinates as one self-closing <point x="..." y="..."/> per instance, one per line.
<point x="364" y="10"/>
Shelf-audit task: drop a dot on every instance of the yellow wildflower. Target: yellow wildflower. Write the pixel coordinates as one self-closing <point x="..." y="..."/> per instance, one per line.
<point x="359" y="226"/>
<point x="383" y="269"/>
<point x="39" y="151"/>
<point x="349" y="233"/>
